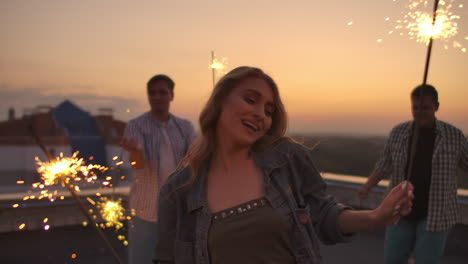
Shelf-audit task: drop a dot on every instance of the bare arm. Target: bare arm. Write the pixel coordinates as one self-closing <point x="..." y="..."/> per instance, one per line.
<point x="395" y="205"/>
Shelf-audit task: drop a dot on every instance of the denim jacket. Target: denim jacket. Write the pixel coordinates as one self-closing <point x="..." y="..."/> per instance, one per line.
<point x="292" y="185"/>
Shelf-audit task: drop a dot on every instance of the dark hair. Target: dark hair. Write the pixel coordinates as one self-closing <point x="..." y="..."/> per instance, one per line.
<point x="161" y="77"/>
<point x="426" y="90"/>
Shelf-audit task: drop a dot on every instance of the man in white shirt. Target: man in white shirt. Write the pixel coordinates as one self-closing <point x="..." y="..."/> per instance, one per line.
<point x="156" y="141"/>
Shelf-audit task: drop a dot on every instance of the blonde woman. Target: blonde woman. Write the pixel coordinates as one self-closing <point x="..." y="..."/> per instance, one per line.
<point x="247" y="194"/>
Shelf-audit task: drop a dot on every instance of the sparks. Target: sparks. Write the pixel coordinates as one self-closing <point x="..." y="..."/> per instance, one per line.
<point x="112" y="212"/>
<point x="64" y="170"/>
<point x="91" y="201"/>
<point x="422" y="30"/>
<point x="417" y="22"/>
<point x="219" y="65"/>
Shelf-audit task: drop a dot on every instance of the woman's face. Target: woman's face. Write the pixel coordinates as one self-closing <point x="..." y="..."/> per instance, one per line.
<point x="246" y="113"/>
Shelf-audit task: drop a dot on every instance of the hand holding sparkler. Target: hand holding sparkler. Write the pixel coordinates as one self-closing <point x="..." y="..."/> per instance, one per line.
<point x="396" y="204"/>
<point x="130" y="144"/>
<point x="135" y="150"/>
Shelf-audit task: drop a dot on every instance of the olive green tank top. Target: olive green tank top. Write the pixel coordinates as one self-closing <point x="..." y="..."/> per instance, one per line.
<point x="252" y="232"/>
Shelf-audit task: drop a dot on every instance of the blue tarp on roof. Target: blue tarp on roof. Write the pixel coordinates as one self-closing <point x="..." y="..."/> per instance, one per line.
<point x="81" y="127"/>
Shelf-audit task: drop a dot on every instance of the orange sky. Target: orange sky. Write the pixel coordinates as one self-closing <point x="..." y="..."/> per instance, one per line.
<point x="333" y="77"/>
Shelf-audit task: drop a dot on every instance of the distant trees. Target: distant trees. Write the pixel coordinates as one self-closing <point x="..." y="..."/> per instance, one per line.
<point x="352" y="155"/>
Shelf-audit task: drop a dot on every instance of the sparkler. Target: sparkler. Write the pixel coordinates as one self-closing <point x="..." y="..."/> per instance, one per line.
<point x="112" y="212"/>
<point x="422" y="26"/>
<point x="217" y="65"/>
<point x="65" y="171"/>
<point x="425" y="26"/>
<point x="431" y="32"/>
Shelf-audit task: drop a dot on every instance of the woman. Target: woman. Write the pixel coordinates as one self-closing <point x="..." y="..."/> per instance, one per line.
<point x="247" y="194"/>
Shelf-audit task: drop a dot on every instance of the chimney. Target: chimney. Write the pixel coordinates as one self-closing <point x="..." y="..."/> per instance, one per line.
<point x="11" y="114"/>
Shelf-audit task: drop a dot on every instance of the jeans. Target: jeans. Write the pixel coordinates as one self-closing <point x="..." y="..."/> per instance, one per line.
<point x="401" y="239"/>
<point x="141" y="241"/>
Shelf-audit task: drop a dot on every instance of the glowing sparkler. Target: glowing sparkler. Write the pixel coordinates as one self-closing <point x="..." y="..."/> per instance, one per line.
<point x="112" y="212"/>
<point x="421" y="25"/>
<point x="64" y="171"/>
<point x="422" y="29"/>
<point x="67" y="169"/>
<point x="217" y="65"/>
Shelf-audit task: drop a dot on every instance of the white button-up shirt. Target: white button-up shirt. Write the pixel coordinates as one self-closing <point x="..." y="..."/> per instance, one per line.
<point x="164" y="146"/>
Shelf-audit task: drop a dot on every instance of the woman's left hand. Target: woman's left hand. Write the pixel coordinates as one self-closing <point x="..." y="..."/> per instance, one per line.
<point x="396" y="204"/>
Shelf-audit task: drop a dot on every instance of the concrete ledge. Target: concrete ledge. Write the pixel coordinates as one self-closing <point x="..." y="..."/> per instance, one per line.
<point x="345" y="187"/>
<point x="59" y="213"/>
<point x="66" y="213"/>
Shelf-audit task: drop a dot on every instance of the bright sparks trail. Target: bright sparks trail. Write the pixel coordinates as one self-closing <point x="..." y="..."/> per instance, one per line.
<point x="112" y="212"/>
<point x="217" y="66"/>
<point x="417" y="23"/>
<point x="64" y="170"/>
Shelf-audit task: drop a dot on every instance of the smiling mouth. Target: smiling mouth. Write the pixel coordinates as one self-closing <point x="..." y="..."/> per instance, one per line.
<point x="251" y="126"/>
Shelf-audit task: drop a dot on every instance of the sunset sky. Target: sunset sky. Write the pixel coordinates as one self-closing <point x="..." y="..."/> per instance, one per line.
<point x="337" y="67"/>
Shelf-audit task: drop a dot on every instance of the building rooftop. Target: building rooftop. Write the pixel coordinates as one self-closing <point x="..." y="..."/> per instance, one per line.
<point x="57" y="245"/>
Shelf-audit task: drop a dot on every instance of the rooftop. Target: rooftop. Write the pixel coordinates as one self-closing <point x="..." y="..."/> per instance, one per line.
<point x="57" y="245"/>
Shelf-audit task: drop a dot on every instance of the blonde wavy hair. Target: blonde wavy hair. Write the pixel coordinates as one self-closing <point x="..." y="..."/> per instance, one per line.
<point x="202" y="149"/>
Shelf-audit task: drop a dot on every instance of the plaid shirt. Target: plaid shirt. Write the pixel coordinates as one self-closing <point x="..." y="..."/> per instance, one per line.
<point x="146" y="183"/>
<point x="450" y="154"/>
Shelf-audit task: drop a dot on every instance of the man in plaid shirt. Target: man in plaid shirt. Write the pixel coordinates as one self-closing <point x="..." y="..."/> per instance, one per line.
<point x="440" y="150"/>
<point x="156" y="142"/>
